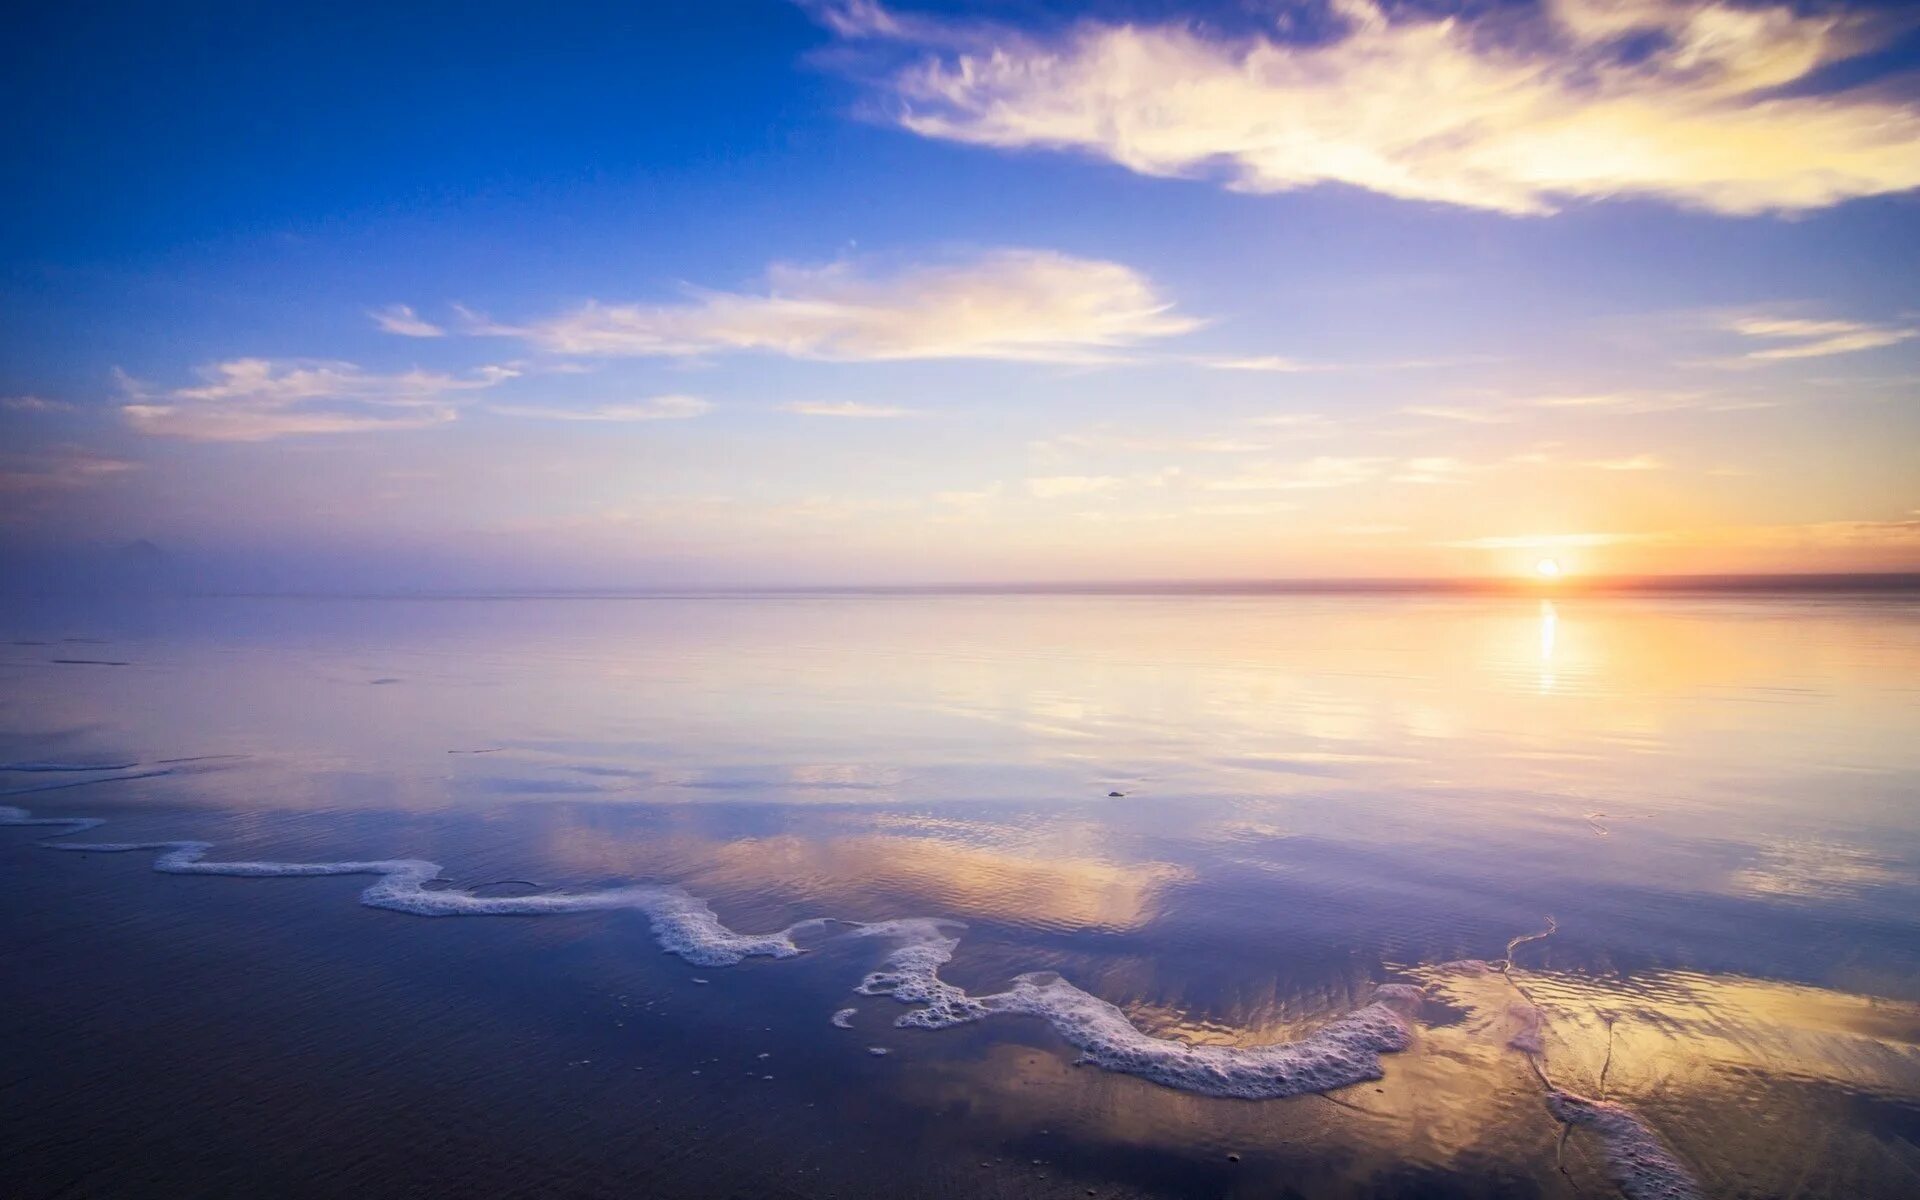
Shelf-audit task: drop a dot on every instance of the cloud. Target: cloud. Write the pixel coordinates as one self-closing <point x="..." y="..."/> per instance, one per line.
<point x="654" y="408"/>
<point x="401" y="319"/>
<point x="257" y="400"/>
<point x="1431" y="470"/>
<point x="1052" y="487"/>
<point x="1268" y="509"/>
<point x="1265" y="362"/>
<point x="845" y="408"/>
<point x="1801" y="338"/>
<point x="33" y="404"/>
<point x="57" y="469"/>
<point x="1494" y="410"/>
<point x="1695" y="102"/>
<point x="1901" y="531"/>
<point x="970" y="500"/>
<point x="1110" y="442"/>
<point x="1461" y="413"/>
<point x="1021" y="305"/>
<point x="1637" y="462"/>
<point x="1323" y="472"/>
<point x="1554" y="541"/>
<point x="1307" y="422"/>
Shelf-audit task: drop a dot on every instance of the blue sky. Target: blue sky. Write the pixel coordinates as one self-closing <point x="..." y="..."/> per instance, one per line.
<point x="755" y="292"/>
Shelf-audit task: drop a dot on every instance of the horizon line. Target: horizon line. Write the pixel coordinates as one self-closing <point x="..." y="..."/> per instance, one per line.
<point x="1752" y="583"/>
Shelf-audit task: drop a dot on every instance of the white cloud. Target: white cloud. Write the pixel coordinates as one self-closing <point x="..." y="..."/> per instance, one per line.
<point x="845" y="408"/>
<point x="1431" y="470"/>
<point x="1484" y="415"/>
<point x="1315" y="423"/>
<point x="1690" y="101"/>
<point x="1798" y="338"/>
<point x="1025" y="305"/>
<point x="1325" y="471"/>
<point x="1052" y="487"/>
<point x="1269" y="509"/>
<point x="654" y="408"/>
<point x="401" y="319"/>
<point x="1272" y="363"/>
<point x="1636" y="462"/>
<point x="256" y="400"/>
<point x="1109" y="442"/>
<point x="970" y="499"/>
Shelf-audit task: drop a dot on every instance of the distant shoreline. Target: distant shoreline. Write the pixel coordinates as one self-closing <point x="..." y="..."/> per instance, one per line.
<point x="1880" y="583"/>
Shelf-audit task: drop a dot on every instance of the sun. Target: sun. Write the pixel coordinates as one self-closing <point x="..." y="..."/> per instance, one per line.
<point x="1547" y="568"/>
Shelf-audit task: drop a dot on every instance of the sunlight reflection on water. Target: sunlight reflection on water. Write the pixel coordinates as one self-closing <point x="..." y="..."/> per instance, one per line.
<point x="1314" y="794"/>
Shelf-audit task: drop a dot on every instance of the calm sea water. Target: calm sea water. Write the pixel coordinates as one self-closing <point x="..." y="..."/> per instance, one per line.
<point x="1233" y="818"/>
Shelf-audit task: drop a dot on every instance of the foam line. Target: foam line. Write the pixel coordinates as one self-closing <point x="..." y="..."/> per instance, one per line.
<point x="1638" y="1162"/>
<point x="682" y="924"/>
<point x="20" y="816"/>
<point x="62" y="766"/>
<point x="1343" y="1052"/>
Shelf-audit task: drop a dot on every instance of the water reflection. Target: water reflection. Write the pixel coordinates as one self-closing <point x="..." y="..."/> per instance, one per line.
<point x="1712" y="797"/>
<point x="1549" y="628"/>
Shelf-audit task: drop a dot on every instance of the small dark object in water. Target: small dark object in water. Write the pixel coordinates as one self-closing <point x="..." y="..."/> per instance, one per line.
<point x="1115" y="795"/>
<point x="89" y="662"/>
<point x="1233" y="1158"/>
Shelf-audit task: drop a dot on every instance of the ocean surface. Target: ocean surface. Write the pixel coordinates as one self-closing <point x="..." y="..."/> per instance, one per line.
<point x="1177" y="895"/>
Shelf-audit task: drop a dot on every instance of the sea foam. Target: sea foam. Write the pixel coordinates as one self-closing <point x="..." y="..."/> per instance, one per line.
<point x="1639" y="1163"/>
<point x="683" y="924"/>
<point x="1343" y="1052"/>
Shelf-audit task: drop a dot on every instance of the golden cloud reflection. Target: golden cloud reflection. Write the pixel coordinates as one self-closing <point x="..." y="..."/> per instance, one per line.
<point x="1740" y="1076"/>
<point x="1027" y="887"/>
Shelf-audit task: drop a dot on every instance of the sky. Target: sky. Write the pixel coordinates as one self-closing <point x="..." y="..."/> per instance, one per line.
<point x="753" y="292"/>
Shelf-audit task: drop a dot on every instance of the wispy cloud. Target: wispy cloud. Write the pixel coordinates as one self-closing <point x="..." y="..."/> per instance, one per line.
<point x="257" y="400"/>
<point x="1110" y="441"/>
<point x="845" y="408"/>
<point x="1500" y="410"/>
<point x="401" y="319"/>
<point x="1690" y="101"/>
<point x="1869" y="532"/>
<point x="1052" y="487"/>
<point x="1477" y="415"/>
<point x="1635" y="462"/>
<point x="1791" y="338"/>
<point x="1431" y="470"/>
<point x="1271" y="363"/>
<point x="1269" y="508"/>
<point x="33" y="404"/>
<point x="654" y="408"/>
<point x="1021" y="305"/>
<point x="57" y="469"/>
<point x="1553" y="541"/>
<point x="1305" y="422"/>
<point x="1326" y="471"/>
